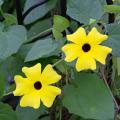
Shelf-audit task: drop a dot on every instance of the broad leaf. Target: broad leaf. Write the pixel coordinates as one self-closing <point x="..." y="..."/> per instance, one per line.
<point x="11" y="39"/>
<point x="84" y="10"/>
<point x="114" y="38"/>
<point x="39" y="11"/>
<point x="29" y="113"/>
<point x="39" y="27"/>
<point x="44" y="48"/>
<point x="6" y="112"/>
<point x="88" y="97"/>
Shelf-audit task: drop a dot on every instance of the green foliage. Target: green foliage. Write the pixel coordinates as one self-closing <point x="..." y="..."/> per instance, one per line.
<point x="39" y="27"/>
<point x="112" y="8"/>
<point x="11" y="39"/>
<point x="38" y="12"/>
<point x="60" y="24"/>
<point x="114" y="35"/>
<point x="43" y="48"/>
<point x="88" y="97"/>
<point x="29" y="113"/>
<point x="39" y="38"/>
<point x="9" y="19"/>
<point x="6" y="113"/>
<point x="83" y="11"/>
<point x="1" y="2"/>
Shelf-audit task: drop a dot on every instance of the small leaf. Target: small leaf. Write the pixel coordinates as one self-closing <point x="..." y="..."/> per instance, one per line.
<point x="9" y="19"/>
<point x="88" y="97"/>
<point x="60" y="23"/>
<point x="58" y="35"/>
<point x="112" y="8"/>
<point x="6" y="112"/>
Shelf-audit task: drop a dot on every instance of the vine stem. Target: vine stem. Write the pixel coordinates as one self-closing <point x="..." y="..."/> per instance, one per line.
<point x="40" y="34"/>
<point x="58" y="62"/>
<point x="8" y="93"/>
<point x="105" y="81"/>
<point x="19" y="12"/>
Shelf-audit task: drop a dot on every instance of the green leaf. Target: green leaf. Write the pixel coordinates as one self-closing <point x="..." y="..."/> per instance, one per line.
<point x="9" y="19"/>
<point x="11" y="39"/>
<point x="44" y="48"/>
<point x="60" y="24"/>
<point x="114" y="38"/>
<point x="6" y="113"/>
<point x="58" y="35"/>
<point x="88" y="97"/>
<point x="29" y="113"/>
<point x="112" y="8"/>
<point x="39" y="27"/>
<point x="83" y="11"/>
<point x="39" y="11"/>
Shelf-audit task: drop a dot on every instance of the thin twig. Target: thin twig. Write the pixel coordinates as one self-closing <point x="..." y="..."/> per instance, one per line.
<point x="19" y="12"/>
<point x="40" y="34"/>
<point x="58" y="62"/>
<point x="105" y="81"/>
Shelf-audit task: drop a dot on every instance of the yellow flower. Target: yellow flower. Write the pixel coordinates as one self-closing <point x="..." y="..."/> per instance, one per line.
<point x="86" y="48"/>
<point x="36" y="86"/>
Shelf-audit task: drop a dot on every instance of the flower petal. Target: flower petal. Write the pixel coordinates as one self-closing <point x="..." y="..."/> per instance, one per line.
<point x="34" y="72"/>
<point x="31" y="100"/>
<point x="95" y="37"/>
<point x="72" y="51"/>
<point x="48" y="95"/>
<point x="100" y="53"/>
<point x="49" y="75"/>
<point x="23" y="86"/>
<point x="85" y="62"/>
<point x="78" y="36"/>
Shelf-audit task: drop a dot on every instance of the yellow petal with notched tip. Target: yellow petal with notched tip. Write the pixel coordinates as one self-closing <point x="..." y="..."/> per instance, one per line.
<point x="49" y="75"/>
<point x="48" y="95"/>
<point x="100" y="53"/>
<point x="23" y="86"/>
<point x="34" y="72"/>
<point x="72" y="51"/>
<point x="85" y="62"/>
<point x="32" y="100"/>
<point x="78" y="36"/>
<point x="94" y="37"/>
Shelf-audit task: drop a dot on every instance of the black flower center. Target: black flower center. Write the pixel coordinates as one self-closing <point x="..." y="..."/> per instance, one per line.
<point x="86" y="47"/>
<point x="37" y="85"/>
